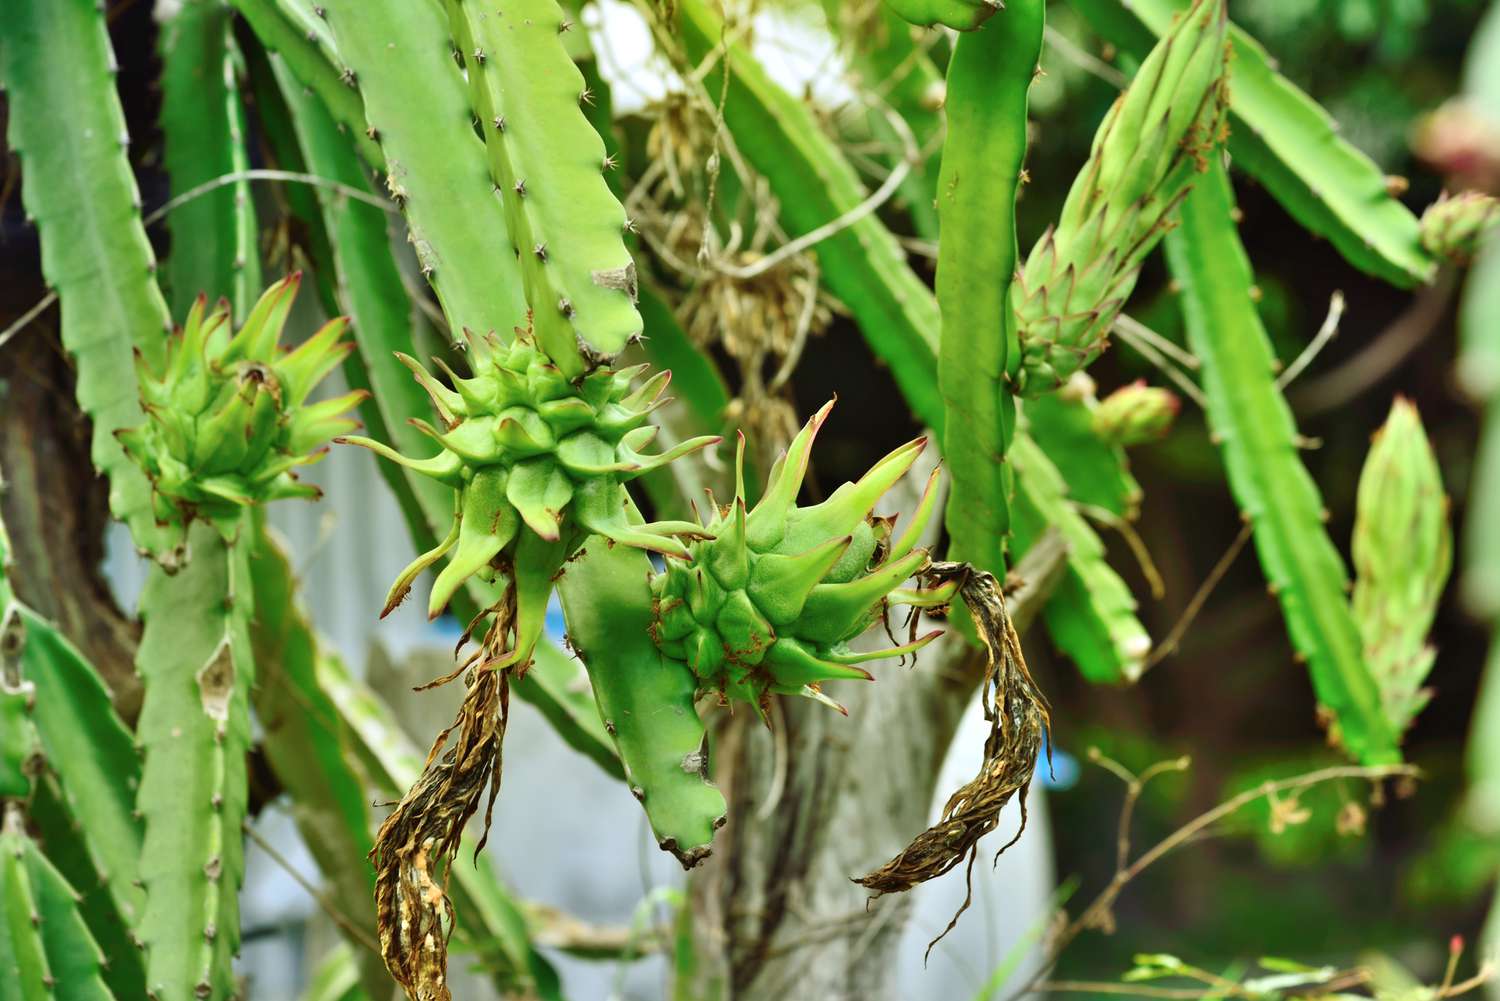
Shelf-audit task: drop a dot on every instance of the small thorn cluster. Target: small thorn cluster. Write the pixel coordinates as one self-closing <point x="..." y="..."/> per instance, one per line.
<point x="539" y="462"/>
<point x="768" y="603"/>
<point x="1148" y="151"/>
<point x="227" y="417"/>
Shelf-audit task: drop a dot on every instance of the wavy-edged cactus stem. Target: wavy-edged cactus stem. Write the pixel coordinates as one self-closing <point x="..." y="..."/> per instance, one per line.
<point x="1403" y="552"/>
<point x="46" y="950"/>
<point x="768" y="604"/>
<point x="547" y="165"/>
<point x="227" y="419"/>
<point x="1454" y="225"/>
<point x="538" y="463"/>
<point x="1150" y="147"/>
<point x="1258" y="438"/>
<point x="196" y="662"/>
<point x="645" y="698"/>
<point x="1136" y="414"/>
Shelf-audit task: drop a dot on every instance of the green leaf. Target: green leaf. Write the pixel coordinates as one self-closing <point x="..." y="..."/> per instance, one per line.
<point x="68" y="130"/>
<point x="1258" y="437"/>
<point x="1290" y="144"/>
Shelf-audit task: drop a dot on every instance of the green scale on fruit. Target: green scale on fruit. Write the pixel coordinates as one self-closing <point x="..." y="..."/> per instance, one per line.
<point x="768" y="603"/>
<point x="228" y="421"/>
<point x="538" y="462"/>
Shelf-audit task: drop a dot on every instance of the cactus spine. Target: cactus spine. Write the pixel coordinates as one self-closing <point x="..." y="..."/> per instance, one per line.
<point x="547" y="166"/>
<point x="1153" y="142"/>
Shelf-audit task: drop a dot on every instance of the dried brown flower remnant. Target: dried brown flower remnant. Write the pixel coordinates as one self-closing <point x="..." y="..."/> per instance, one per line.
<point x="1018" y="717"/>
<point x="415" y="846"/>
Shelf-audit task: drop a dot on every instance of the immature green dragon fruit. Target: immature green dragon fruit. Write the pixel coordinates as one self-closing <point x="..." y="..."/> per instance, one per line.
<point x="227" y="421"/>
<point x="1403" y="552"/>
<point x="1453" y="226"/>
<point x="767" y="604"/>
<point x="539" y="463"/>
<point x="1135" y="414"/>
<point x="1156" y="138"/>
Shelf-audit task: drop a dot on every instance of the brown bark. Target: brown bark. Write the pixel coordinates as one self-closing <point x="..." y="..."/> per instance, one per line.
<point x="56" y="508"/>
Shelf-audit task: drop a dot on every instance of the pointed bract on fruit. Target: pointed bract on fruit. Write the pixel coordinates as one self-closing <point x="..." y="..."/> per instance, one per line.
<point x="1453" y="226"/>
<point x="1150" y="148"/>
<point x="538" y="463"/>
<point x="767" y="601"/>
<point x="227" y="418"/>
<point x="1403" y="551"/>
<point x="1135" y="414"/>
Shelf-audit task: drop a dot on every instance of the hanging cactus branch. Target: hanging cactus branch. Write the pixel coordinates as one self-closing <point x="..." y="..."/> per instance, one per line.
<point x="538" y="463"/>
<point x="1148" y="152"/>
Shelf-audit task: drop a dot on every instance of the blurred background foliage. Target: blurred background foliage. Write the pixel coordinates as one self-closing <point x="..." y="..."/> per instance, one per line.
<point x="1324" y="885"/>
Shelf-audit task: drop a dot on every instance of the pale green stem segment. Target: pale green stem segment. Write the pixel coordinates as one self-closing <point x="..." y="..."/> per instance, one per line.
<point x="398" y="53"/>
<point x="1289" y="143"/>
<point x="46" y="951"/>
<point x="488" y="918"/>
<point x="1091" y="616"/>
<point x="862" y="263"/>
<point x="1258" y="437"/>
<point x="889" y="60"/>
<point x="84" y="805"/>
<point x="304" y="43"/>
<point x="1403" y="551"/>
<point x="644" y="697"/>
<point x="368" y="289"/>
<point x="989" y="79"/>
<point x="306" y="744"/>
<point x="68" y="131"/>
<point x="214" y="249"/>
<point x="547" y="164"/>
<point x="196" y="664"/>
<point x="1097" y="473"/>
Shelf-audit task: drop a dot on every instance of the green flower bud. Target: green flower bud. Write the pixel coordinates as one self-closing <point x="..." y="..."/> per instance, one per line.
<point x="1135" y="414"/>
<point x="1453" y="226"/>
<point x="1403" y="551"/>
<point x="538" y="463"/>
<point x="768" y="603"/>
<point x="227" y="417"/>
<point x="1148" y="151"/>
